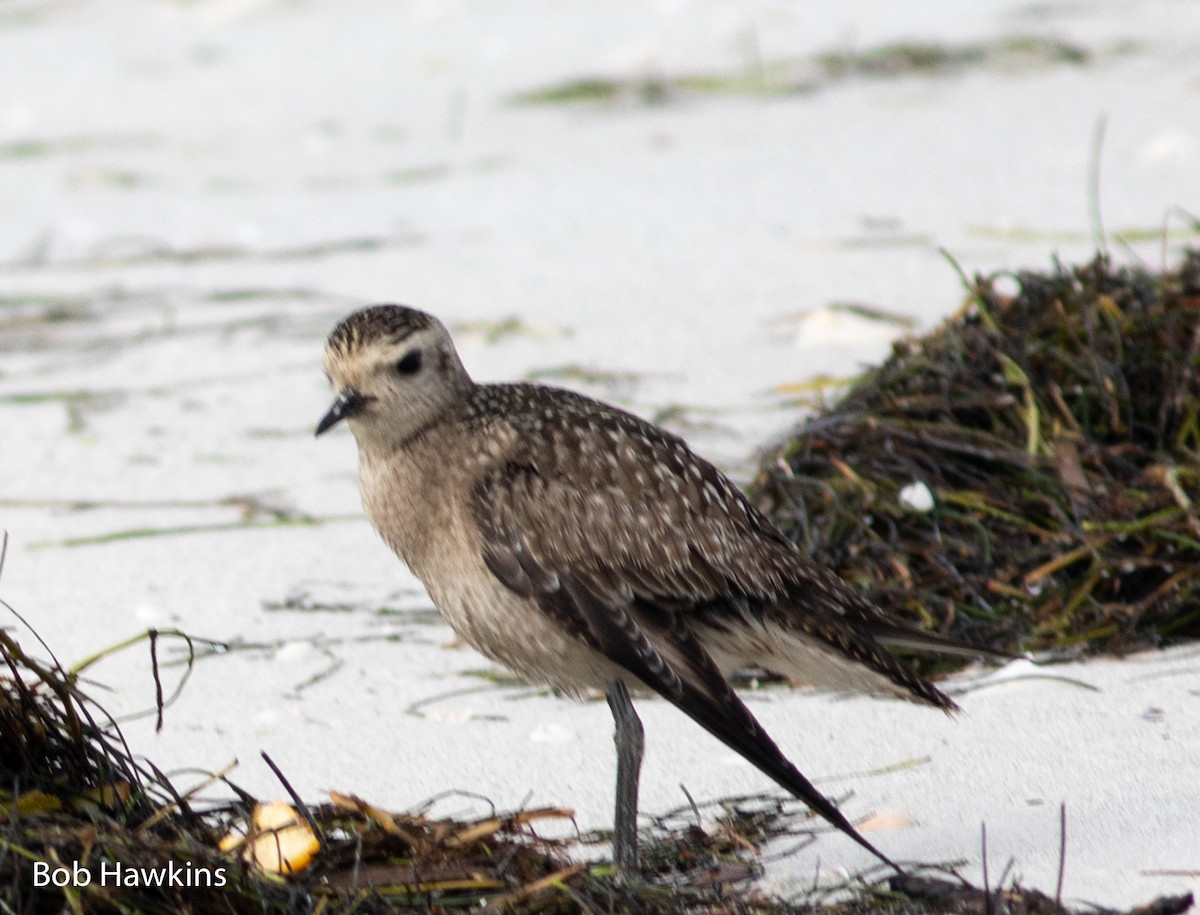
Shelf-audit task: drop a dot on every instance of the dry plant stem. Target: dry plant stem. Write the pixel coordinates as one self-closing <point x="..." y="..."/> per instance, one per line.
<point x="1062" y="852"/>
<point x="296" y="799"/>
<point x="987" y="891"/>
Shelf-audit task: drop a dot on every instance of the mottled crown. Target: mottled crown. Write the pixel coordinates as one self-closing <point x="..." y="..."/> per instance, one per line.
<point x="384" y="323"/>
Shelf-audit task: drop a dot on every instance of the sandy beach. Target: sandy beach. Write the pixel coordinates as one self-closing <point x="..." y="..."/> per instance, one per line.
<point x="669" y="206"/>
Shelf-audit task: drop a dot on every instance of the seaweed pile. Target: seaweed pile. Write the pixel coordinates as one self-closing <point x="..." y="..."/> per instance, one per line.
<point x="86" y="827"/>
<point x="1027" y="475"/>
<point x="73" y="797"/>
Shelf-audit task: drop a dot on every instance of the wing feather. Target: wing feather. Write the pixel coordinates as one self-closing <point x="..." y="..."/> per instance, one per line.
<point x="678" y="534"/>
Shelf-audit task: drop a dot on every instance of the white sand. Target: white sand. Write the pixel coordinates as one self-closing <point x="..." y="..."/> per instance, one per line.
<point x="184" y="181"/>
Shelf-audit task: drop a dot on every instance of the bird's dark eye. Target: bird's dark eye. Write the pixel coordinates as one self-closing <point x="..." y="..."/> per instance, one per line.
<point x="410" y="364"/>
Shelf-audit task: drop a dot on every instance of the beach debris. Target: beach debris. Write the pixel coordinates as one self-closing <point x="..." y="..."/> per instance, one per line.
<point x="1027" y="475"/>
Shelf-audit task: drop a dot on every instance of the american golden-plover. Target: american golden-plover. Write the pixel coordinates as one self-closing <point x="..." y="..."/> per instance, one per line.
<point x="585" y="548"/>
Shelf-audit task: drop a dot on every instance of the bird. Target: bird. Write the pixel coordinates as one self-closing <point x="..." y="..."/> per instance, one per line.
<point x="587" y="549"/>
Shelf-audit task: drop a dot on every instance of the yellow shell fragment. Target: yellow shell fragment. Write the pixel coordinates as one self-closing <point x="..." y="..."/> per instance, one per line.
<point x="280" y="840"/>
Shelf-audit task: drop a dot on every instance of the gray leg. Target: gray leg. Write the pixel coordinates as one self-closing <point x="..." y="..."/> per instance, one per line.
<point x="629" y="739"/>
